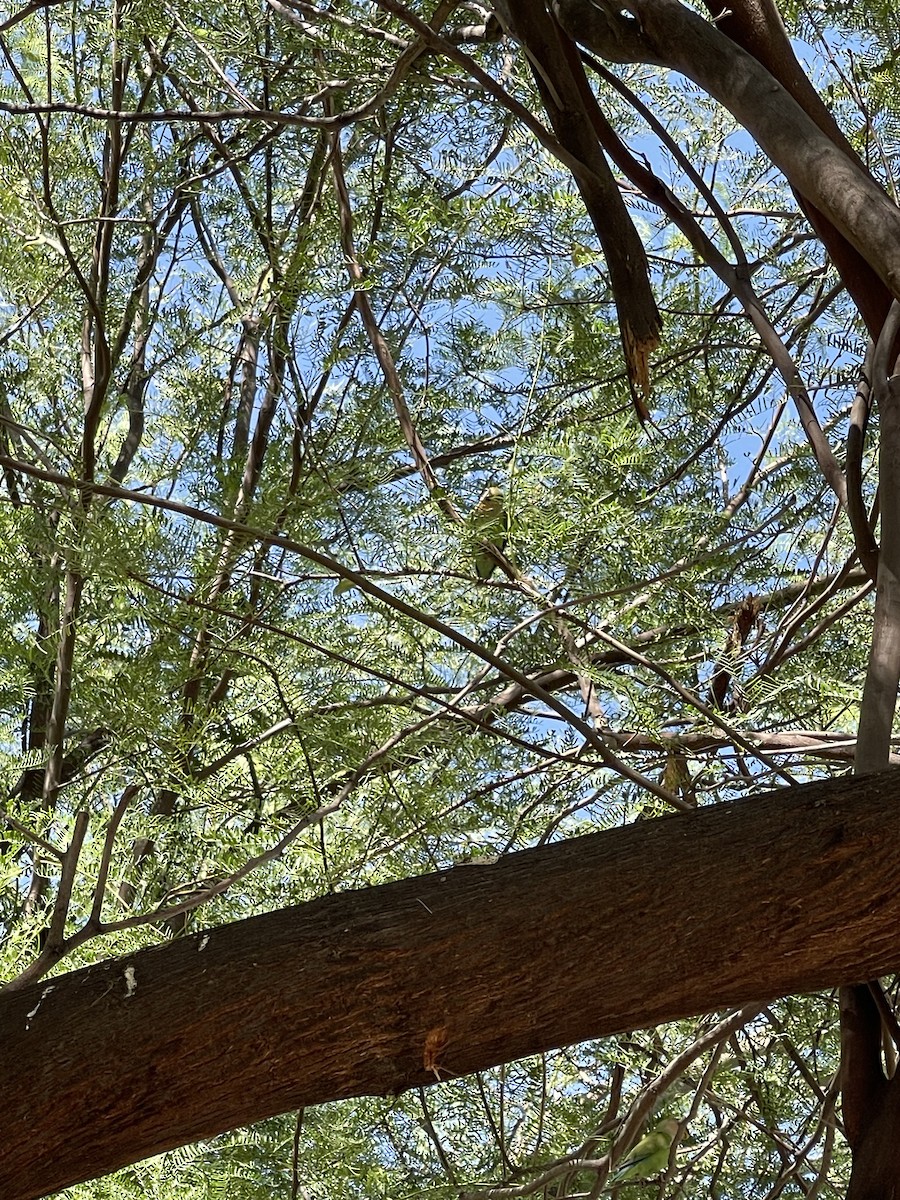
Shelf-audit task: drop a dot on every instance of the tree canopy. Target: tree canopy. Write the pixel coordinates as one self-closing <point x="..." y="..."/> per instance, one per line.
<point x="430" y="434"/>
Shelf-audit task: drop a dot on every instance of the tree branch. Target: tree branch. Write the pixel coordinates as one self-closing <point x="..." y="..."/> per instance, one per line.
<point x="379" y="990"/>
<point x="668" y="34"/>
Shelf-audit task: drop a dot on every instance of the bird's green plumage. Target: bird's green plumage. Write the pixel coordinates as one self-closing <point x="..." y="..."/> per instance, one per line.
<point x="490" y="526"/>
<point x="650" y="1156"/>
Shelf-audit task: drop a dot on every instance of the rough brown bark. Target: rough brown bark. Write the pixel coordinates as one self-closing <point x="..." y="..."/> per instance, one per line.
<point x="383" y="989"/>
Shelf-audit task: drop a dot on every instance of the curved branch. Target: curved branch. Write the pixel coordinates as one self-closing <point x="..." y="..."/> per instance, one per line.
<point x="860" y="523"/>
<point x="756" y="26"/>
<point x="667" y="34"/>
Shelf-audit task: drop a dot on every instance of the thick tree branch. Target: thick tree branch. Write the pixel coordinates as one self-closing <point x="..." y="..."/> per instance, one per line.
<point x="432" y="977"/>
<point x="574" y="115"/>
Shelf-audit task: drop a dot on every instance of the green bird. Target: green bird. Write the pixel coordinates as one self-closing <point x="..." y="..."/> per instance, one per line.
<point x="650" y="1156"/>
<point x="490" y="527"/>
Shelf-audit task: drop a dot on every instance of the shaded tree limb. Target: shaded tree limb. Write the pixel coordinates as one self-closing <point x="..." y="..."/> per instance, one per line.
<point x="860" y="521"/>
<point x="871" y="1101"/>
<point x="574" y="117"/>
<point x="883" y="676"/>
<point x="639" y="318"/>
